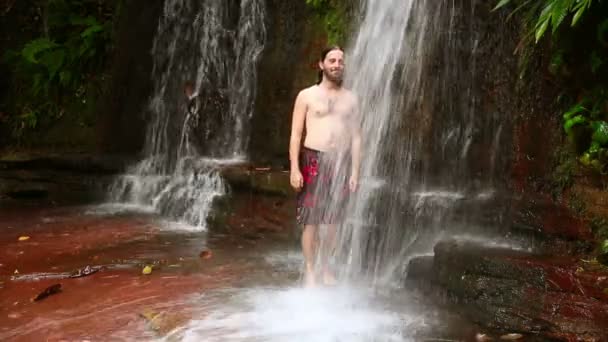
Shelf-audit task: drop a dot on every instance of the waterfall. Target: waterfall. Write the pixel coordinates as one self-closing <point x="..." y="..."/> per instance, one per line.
<point x="426" y="167"/>
<point x="214" y="45"/>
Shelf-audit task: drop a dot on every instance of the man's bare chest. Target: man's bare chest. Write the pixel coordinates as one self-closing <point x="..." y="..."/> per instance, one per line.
<point x="322" y="107"/>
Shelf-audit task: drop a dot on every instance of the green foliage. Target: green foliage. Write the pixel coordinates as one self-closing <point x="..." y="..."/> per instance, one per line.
<point x="586" y="126"/>
<point x="333" y="15"/>
<point x="52" y="70"/>
<point x="599" y="227"/>
<point x="550" y="13"/>
<point x="578" y="63"/>
<point x="585" y="122"/>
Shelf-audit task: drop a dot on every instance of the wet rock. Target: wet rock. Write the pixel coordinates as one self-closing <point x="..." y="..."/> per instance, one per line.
<point x="511" y="337"/>
<point x="482" y="338"/>
<point x="77" y="177"/>
<point x="85" y="271"/>
<point x="28" y="194"/>
<point x="519" y="292"/>
<point x="273" y="182"/>
<point x="205" y="254"/>
<point x="551" y="219"/>
<point x="51" y="290"/>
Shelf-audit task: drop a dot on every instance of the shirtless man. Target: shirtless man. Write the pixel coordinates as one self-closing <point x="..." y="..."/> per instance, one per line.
<point x="330" y="115"/>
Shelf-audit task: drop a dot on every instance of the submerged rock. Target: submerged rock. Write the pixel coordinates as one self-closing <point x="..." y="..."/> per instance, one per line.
<point x="51" y="290"/>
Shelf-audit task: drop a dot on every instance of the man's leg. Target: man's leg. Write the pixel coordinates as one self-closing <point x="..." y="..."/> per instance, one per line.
<point x="328" y="246"/>
<point x="309" y="236"/>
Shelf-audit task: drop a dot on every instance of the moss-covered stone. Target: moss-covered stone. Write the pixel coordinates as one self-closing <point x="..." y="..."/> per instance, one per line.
<point x="267" y="182"/>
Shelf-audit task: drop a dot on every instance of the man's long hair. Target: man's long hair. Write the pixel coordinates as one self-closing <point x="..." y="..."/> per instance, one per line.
<point x="323" y="55"/>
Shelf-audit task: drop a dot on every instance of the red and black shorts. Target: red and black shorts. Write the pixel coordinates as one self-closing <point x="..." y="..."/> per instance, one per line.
<point x="323" y="198"/>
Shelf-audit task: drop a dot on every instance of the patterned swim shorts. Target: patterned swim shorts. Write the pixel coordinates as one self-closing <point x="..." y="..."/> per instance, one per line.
<point x="323" y="198"/>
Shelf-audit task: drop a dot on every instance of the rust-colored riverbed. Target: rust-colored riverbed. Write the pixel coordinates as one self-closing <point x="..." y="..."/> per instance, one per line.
<point x="236" y="283"/>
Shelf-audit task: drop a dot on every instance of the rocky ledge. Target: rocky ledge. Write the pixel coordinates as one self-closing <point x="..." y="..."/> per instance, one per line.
<point x="561" y="298"/>
<point x="86" y="177"/>
<point x="58" y="177"/>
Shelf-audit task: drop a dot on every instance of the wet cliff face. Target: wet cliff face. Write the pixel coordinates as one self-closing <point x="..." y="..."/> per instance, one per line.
<point x="295" y="39"/>
<point x="121" y="116"/>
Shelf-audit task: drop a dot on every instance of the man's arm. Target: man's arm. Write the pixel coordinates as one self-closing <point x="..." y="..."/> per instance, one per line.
<point x="356" y="141"/>
<point x="297" y="127"/>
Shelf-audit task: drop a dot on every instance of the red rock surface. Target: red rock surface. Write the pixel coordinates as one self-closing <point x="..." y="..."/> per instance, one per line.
<point x="109" y="304"/>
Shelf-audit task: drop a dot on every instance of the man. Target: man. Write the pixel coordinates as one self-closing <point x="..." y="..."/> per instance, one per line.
<point x="329" y="114"/>
<point x="191" y="95"/>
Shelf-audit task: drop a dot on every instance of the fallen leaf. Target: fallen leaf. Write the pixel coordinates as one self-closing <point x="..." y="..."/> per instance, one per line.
<point x="24" y="238"/>
<point x="162" y="323"/>
<point x="51" y="290"/>
<point x="511" y="336"/>
<point x="206" y="254"/>
<point x="149" y="315"/>
<point x="147" y="270"/>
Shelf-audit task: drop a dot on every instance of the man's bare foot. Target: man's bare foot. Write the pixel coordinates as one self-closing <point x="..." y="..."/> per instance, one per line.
<point x="329" y="279"/>
<point x="309" y="278"/>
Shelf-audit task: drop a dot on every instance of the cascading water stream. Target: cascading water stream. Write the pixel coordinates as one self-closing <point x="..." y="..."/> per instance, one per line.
<point x="412" y="65"/>
<point x="215" y="44"/>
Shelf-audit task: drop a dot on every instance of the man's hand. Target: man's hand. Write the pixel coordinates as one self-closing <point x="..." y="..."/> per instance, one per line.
<point x="353" y="183"/>
<point x="296" y="180"/>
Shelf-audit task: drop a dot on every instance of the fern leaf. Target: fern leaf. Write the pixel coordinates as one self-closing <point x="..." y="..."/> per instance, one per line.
<point x="559" y="12"/>
<point x="501" y="4"/>
<point x="579" y="8"/>
<point x="35" y="47"/>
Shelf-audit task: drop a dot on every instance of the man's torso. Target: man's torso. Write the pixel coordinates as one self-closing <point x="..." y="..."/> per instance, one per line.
<point x="328" y="119"/>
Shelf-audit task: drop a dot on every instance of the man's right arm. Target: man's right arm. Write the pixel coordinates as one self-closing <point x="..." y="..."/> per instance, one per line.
<point x="297" y="127"/>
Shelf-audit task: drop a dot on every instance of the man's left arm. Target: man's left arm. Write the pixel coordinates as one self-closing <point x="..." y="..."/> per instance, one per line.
<point x="356" y="142"/>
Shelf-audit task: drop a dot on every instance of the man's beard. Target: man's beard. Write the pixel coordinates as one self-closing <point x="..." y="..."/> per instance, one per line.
<point x="335" y="78"/>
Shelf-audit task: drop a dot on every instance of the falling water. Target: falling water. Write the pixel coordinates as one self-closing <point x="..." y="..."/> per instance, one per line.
<point x="215" y="44"/>
<point x="426" y="167"/>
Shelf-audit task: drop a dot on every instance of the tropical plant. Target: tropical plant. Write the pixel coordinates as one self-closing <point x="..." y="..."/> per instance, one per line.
<point x="332" y="14"/>
<point x="550" y="13"/>
<point x="55" y="68"/>
<point x="585" y="125"/>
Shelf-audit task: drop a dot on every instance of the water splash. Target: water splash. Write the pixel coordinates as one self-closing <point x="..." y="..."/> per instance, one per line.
<point x="216" y="45"/>
<point x="296" y="314"/>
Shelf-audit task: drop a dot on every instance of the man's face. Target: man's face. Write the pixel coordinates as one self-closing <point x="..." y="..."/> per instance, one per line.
<point x="333" y="65"/>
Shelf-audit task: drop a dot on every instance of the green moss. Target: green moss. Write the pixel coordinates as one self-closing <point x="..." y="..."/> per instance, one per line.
<point x="599" y="226"/>
<point x="334" y="16"/>
<point x="600" y="229"/>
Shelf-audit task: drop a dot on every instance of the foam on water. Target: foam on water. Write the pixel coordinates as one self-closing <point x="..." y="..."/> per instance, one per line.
<point x="299" y="314"/>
